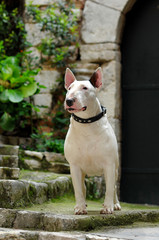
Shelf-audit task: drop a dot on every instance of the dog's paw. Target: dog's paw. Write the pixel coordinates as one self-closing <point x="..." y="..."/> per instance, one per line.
<point x="107" y="210"/>
<point x="117" y="207"/>
<point x="80" y="210"/>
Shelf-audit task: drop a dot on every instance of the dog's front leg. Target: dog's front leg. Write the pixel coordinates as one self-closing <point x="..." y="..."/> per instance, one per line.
<point x="109" y="174"/>
<point x="79" y="187"/>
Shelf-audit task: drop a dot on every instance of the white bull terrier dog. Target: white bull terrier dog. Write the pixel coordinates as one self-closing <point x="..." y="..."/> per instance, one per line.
<point x="90" y="145"/>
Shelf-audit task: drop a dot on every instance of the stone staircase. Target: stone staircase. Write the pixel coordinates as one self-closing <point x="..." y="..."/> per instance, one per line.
<point x="9" y="162"/>
<point x="16" y="224"/>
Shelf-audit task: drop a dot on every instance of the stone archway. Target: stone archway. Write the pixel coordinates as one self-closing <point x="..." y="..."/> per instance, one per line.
<point x="103" y="21"/>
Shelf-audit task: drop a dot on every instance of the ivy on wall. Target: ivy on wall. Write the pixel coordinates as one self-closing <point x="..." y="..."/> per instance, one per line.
<point x="59" y="22"/>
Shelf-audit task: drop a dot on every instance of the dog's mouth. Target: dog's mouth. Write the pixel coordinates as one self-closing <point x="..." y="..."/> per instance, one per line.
<point x="73" y="110"/>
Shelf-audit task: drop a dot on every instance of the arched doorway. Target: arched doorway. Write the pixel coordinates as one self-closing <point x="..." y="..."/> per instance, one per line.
<point x="140" y="94"/>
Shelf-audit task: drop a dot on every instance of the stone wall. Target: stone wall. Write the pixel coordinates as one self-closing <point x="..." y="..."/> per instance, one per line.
<point x="47" y="76"/>
<point x="101" y="32"/>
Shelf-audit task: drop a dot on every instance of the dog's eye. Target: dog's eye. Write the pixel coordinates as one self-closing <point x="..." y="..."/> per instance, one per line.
<point x="69" y="88"/>
<point x="85" y="88"/>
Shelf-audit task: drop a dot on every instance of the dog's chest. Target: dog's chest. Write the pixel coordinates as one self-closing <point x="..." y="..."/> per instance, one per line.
<point x="86" y="147"/>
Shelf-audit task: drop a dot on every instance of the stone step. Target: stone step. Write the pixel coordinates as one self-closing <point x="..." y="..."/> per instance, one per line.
<point x="20" y="193"/>
<point x="51" y="222"/>
<point x="9" y="173"/>
<point x="18" y="234"/>
<point x="8" y="149"/>
<point x="9" y="161"/>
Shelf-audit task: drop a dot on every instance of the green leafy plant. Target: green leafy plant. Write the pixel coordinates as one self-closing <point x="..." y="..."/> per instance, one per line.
<point x="59" y="21"/>
<point x="12" y="30"/>
<point x="15" y="85"/>
<point x="46" y="142"/>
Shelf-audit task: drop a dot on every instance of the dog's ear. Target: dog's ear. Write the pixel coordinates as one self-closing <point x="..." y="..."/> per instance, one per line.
<point x="96" y="79"/>
<point x="69" y="78"/>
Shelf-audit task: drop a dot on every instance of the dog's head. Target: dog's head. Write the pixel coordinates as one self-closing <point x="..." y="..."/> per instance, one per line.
<point x="80" y="94"/>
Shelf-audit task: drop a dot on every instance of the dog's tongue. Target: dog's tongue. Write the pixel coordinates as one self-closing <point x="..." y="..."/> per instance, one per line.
<point x="84" y="108"/>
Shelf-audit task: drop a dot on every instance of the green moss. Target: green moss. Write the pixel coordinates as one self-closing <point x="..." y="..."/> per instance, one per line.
<point x="39" y="176"/>
<point x="65" y="205"/>
<point x="131" y="206"/>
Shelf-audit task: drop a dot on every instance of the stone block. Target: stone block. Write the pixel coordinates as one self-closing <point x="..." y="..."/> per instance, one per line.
<point x="9" y="161"/>
<point x="95" y="187"/>
<point x="109" y="94"/>
<point x="48" y="78"/>
<point x="34" y="54"/>
<point x="116" y="125"/>
<point x="116" y="4"/>
<point x="34" y="35"/>
<point x="111" y="73"/>
<point x="7" y="217"/>
<point x="32" y="164"/>
<point x="58" y="222"/>
<point x="43" y="99"/>
<point x="56" y="162"/>
<point x="83" y="70"/>
<point x="59" y="186"/>
<point x="54" y="157"/>
<point x="61" y="236"/>
<point x="59" y="168"/>
<point x="40" y="2"/>
<point x="102" y="52"/>
<point x="36" y="192"/>
<point x="28" y="220"/>
<point x="12" y="194"/>
<point x="12" y="140"/>
<point x="9" y="150"/>
<point x="9" y="173"/>
<point x="100" y="23"/>
<point x="33" y="154"/>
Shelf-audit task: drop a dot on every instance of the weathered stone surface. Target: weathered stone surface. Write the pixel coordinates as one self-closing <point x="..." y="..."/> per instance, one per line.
<point x="100" y="23"/>
<point x="109" y="94"/>
<point x="12" y="194"/>
<point x="7" y="217"/>
<point x="101" y="52"/>
<point x="9" y="173"/>
<point x="28" y="220"/>
<point x="9" y="150"/>
<point x="21" y="193"/>
<point x="36" y="192"/>
<point x="9" y="161"/>
<point x="83" y="70"/>
<point x="61" y="236"/>
<point x="95" y="187"/>
<point x="34" y="35"/>
<point x="12" y="140"/>
<point x="116" y="4"/>
<point x="59" y="168"/>
<point x="40" y="2"/>
<point x="59" y="186"/>
<point x="111" y="73"/>
<point x="116" y="124"/>
<point x="54" y="157"/>
<point x="48" y="78"/>
<point x="32" y="164"/>
<point x="53" y="222"/>
<point x="58" y="222"/>
<point x="33" y="154"/>
<point x="18" y="234"/>
<point x="35" y="55"/>
<point x="43" y="100"/>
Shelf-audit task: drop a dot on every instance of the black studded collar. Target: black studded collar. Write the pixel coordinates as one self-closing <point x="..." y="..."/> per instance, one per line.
<point x="92" y="119"/>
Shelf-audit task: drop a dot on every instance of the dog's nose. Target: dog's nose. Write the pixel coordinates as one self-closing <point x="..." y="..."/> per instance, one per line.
<point x="70" y="102"/>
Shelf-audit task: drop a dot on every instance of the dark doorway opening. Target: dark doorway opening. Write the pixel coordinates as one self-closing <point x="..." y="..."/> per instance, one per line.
<point x="140" y="94"/>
